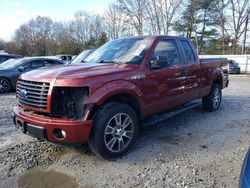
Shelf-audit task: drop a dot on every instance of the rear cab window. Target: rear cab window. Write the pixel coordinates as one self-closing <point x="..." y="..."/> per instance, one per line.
<point x="188" y="53"/>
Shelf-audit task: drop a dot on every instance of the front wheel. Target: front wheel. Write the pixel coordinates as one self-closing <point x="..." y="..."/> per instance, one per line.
<point x="212" y="101"/>
<point x="115" y="129"/>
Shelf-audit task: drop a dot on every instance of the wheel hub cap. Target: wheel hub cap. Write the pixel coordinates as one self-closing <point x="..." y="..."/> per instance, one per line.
<point x="4" y="86"/>
<point x="118" y="132"/>
<point x="217" y="98"/>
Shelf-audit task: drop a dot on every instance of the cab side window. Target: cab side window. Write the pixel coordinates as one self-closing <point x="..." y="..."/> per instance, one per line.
<point x="166" y="52"/>
<point x="188" y="52"/>
<point x="37" y="64"/>
<point x="27" y="65"/>
<point x="51" y="63"/>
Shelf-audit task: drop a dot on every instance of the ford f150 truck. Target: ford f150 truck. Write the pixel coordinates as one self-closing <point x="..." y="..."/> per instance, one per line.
<point x="105" y="100"/>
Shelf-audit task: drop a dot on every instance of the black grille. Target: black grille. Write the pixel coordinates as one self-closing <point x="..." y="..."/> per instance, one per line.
<point x="32" y="93"/>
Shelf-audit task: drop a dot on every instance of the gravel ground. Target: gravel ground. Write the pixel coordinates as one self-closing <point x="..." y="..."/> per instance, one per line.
<point x="192" y="149"/>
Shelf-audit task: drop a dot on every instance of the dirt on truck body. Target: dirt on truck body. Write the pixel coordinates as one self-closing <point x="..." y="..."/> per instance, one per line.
<point x="105" y="101"/>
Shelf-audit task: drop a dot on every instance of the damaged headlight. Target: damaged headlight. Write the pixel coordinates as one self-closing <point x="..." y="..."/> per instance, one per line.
<point x="69" y="102"/>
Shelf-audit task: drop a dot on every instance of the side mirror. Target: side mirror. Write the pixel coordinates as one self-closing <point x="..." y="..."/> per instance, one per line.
<point x="21" y="69"/>
<point x="154" y="64"/>
<point x="158" y="62"/>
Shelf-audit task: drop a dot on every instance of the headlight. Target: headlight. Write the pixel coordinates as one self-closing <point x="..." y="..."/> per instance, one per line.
<point x="68" y="102"/>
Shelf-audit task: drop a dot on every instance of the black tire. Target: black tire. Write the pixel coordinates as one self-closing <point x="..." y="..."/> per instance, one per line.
<point x="212" y="101"/>
<point x="4" y="85"/>
<point x="107" y="138"/>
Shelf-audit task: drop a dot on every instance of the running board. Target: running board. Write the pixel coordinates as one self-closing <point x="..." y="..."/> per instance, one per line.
<point x="156" y="119"/>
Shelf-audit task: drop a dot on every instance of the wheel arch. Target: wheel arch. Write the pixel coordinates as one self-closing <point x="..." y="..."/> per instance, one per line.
<point x="218" y="80"/>
<point x="123" y="92"/>
<point x="124" y="98"/>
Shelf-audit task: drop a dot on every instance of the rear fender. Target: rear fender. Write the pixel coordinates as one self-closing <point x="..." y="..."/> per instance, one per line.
<point x="218" y="75"/>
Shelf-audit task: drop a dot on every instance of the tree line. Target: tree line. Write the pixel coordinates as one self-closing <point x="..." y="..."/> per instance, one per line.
<point x="215" y="26"/>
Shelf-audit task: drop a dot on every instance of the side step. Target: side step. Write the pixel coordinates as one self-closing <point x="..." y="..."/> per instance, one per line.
<point x="156" y="119"/>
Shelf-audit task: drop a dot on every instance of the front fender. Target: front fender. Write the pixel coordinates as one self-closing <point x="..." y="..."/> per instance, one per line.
<point x="114" y="88"/>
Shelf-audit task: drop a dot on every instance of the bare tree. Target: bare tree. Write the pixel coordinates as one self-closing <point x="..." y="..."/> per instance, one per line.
<point x="86" y="27"/>
<point x="169" y="10"/>
<point x="135" y="10"/>
<point x="97" y="26"/>
<point x="64" y="42"/>
<point x="81" y="27"/>
<point x="220" y="19"/>
<point x="43" y="28"/>
<point x="246" y="30"/>
<point x="115" y="22"/>
<point x="26" y="37"/>
<point x="160" y="15"/>
<point x="154" y="17"/>
<point x="195" y="19"/>
<point x="35" y="36"/>
<point x="239" y="16"/>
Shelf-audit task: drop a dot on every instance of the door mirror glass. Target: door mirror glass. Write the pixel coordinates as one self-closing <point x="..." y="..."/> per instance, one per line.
<point x="21" y="69"/>
<point x="158" y="62"/>
<point x="155" y="64"/>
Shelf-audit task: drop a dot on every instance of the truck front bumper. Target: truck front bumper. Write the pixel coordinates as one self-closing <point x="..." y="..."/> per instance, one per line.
<point x="52" y="129"/>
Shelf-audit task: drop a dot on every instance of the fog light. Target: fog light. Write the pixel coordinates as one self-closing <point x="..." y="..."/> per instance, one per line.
<point x="59" y="133"/>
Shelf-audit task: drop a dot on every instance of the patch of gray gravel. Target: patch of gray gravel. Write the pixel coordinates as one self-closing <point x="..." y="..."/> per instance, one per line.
<point x="192" y="149"/>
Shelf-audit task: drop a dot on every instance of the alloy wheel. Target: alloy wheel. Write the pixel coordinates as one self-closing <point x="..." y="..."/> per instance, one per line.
<point x="216" y="97"/>
<point x="118" y="132"/>
<point x="4" y="86"/>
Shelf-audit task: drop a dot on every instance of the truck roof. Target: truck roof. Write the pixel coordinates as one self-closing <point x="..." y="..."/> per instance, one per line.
<point x="154" y="37"/>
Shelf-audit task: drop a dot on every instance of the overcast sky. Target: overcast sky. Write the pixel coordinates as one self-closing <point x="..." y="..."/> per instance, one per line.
<point x="15" y="12"/>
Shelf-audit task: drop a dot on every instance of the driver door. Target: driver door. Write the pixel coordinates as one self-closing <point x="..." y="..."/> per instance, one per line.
<point x="167" y="82"/>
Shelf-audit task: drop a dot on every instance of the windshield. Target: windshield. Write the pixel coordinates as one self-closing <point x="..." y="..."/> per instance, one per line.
<point x="129" y="50"/>
<point x="82" y="56"/>
<point x="6" y="62"/>
<point x="232" y="63"/>
<point x="12" y="63"/>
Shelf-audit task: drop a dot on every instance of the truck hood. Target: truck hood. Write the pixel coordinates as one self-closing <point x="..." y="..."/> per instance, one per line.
<point x="77" y="71"/>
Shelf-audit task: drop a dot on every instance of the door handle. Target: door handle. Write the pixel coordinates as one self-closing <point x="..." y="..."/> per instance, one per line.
<point x="183" y="72"/>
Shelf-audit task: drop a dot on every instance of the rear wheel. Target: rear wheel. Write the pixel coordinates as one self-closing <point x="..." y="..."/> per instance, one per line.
<point x="4" y="85"/>
<point x="212" y="101"/>
<point x="115" y="130"/>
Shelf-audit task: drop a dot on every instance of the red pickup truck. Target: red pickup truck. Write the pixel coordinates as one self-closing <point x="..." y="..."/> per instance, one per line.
<point x="105" y="100"/>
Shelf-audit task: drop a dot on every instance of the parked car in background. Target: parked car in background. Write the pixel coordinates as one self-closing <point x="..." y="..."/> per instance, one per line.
<point x="234" y="68"/>
<point x="82" y="56"/>
<point x="65" y="58"/>
<point x="5" y="56"/>
<point x="245" y="172"/>
<point x="11" y="69"/>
